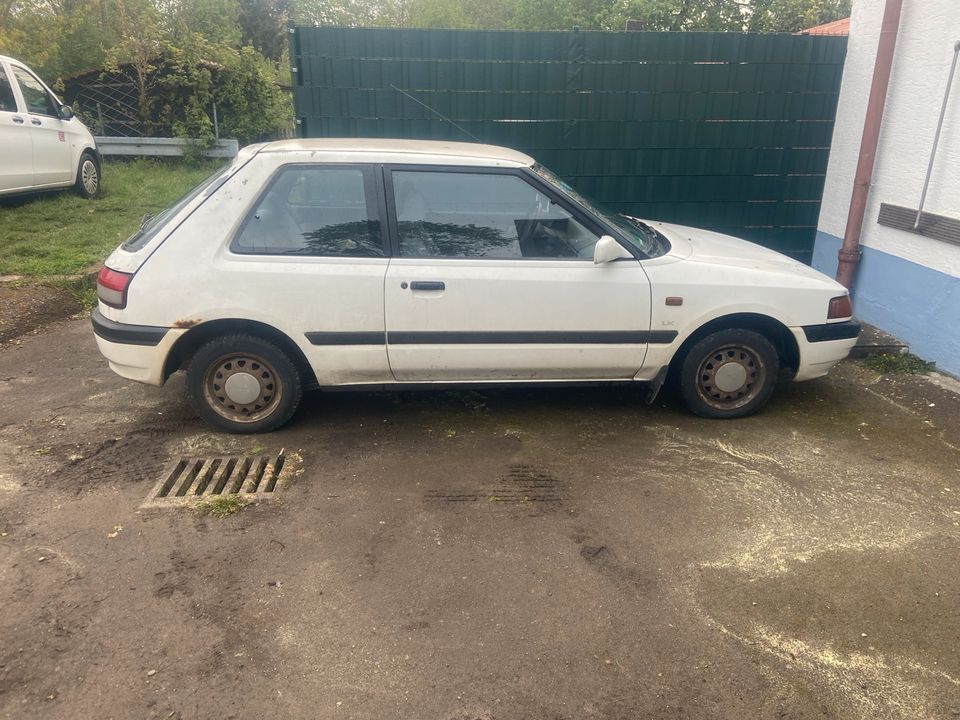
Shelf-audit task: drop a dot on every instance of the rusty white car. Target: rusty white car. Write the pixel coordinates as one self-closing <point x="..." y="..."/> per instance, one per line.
<point x="359" y="264"/>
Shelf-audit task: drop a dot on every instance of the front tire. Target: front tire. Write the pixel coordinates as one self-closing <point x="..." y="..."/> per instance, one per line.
<point x="729" y="374"/>
<point x="88" y="183"/>
<point x="243" y="384"/>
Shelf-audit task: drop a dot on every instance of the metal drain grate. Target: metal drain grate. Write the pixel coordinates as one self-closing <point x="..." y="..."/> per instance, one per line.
<point x="195" y="478"/>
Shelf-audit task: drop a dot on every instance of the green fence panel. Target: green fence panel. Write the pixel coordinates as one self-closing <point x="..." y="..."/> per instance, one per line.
<point x="726" y="131"/>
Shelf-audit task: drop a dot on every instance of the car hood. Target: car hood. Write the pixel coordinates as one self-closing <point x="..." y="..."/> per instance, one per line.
<point x="706" y="246"/>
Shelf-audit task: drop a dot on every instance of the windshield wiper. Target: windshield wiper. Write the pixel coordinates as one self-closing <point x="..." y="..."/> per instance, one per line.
<point x="641" y="224"/>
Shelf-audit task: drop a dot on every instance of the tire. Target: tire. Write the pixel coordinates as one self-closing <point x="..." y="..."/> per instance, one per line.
<point x="266" y="391"/>
<point x="89" y="180"/>
<point x="729" y="374"/>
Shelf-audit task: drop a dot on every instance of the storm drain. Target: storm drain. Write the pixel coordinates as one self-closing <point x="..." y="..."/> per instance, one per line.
<point x="192" y="479"/>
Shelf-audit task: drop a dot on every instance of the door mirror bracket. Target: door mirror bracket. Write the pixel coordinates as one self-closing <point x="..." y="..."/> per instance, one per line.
<point x="607" y="250"/>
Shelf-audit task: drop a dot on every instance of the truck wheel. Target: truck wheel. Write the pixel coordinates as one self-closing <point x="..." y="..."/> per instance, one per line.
<point x="242" y="384"/>
<point x="729" y="374"/>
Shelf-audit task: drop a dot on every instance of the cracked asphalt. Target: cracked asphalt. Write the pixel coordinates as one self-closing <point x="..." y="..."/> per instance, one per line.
<point x="481" y="555"/>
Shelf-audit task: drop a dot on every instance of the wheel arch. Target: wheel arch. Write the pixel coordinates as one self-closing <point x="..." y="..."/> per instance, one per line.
<point x="188" y="344"/>
<point x="771" y="328"/>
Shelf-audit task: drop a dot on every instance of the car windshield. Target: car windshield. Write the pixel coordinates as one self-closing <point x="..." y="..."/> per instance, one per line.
<point x="151" y="224"/>
<point x="641" y="235"/>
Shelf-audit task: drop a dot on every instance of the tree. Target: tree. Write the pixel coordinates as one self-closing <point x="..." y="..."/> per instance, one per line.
<point x="793" y="15"/>
<point x="139" y="47"/>
<point x="263" y="25"/>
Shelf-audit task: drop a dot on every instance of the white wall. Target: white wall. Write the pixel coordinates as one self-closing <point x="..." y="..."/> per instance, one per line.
<point x="928" y="30"/>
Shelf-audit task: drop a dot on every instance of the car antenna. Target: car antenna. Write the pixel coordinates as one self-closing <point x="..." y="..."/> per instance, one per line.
<point x="442" y="117"/>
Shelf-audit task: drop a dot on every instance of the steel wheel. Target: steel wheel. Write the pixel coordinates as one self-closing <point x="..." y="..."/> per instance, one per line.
<point x="90" y="176"/>
<point x="731" y="377"/>
<point x="729" y="373"/>
<point x="242" y="387"/>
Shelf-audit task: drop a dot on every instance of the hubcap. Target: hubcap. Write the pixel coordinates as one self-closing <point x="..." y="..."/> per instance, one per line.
<point x="242" y="387"/>
<point x="89" y="176"/>
<point x="730" y="377"/>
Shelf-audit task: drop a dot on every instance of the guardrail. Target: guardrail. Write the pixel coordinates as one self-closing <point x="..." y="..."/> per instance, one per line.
<point x="161" y="147"/>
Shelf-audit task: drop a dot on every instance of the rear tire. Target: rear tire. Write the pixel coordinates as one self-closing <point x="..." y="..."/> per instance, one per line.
<point x="729" y="374"/>
<point x="243" y="384"/>
<point x="88" y="183"/>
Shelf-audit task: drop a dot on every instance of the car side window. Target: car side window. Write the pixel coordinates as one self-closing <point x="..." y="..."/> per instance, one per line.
<point x="483" y="215"/>
<point x="35" y="95"/>
<point x="327" y="211"/>
<point x="8" y="102"/>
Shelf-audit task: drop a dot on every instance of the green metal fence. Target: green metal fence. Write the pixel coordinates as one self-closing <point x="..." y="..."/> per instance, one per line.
<point x="719" y="130"/>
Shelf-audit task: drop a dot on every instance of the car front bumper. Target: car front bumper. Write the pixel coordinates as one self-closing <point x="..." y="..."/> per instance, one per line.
<point x="135" y="352"/>
<point x="823" y="346"/>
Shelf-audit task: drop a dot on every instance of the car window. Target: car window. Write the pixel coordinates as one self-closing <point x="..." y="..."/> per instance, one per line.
<point x="35" y="95"/>
<point x="328" y="211"/>
<point x="483" y="215"/>
<point x="7" y="101"/>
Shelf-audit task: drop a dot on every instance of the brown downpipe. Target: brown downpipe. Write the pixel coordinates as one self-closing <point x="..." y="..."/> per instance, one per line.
<point x="849" y="254"/>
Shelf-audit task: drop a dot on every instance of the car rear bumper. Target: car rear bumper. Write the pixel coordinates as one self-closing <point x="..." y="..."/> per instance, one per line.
<point x="136" y="352"/>
<point x="823" y="346"/>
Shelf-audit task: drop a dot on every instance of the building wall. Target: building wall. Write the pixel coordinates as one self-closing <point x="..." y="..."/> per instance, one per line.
<point x="906" y="284"/>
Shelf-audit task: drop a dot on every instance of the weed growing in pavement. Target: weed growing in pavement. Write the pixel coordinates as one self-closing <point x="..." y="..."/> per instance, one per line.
<point x="901" y="364"/>
<point x="221" y="506"/>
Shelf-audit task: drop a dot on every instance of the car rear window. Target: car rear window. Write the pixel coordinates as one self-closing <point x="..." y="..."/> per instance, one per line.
<point x="152" y="224"/>
<point x="318" y="210"/>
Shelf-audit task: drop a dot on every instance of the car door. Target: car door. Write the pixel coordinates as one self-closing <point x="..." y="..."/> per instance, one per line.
<point x="493" y="279"/>
<point x="52" y="163"/>
<point x="16" y="144"/>
<point x="311" y="252"/>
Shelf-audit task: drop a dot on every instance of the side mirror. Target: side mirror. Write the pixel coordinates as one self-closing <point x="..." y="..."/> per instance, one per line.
<point x="607" y="250"/>
<point x="66" y="112"/>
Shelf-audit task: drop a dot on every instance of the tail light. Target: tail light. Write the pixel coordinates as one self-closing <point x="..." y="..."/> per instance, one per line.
<point x="840" y="307"/>
<point x="112" y="287"/>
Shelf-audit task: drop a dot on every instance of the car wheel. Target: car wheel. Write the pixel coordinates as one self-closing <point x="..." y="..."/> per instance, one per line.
<point x="242" y="384"/>
<point x="88" y="177"/>
<point x="729" y="374"/>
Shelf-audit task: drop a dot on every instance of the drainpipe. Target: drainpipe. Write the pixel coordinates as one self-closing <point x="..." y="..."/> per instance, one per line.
<point x="849" y="254"/>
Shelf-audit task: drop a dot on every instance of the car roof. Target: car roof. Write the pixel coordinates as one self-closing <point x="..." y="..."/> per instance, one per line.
<point x="426" y="152"/>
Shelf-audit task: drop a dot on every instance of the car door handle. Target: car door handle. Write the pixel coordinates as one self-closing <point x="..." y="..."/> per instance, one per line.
<point x="35" y="121"/>
<point x="427" y="285"/>
<point x="18" y="120"/>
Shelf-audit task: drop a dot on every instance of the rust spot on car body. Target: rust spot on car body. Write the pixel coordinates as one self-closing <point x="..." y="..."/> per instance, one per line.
<point x="184" y="324"/>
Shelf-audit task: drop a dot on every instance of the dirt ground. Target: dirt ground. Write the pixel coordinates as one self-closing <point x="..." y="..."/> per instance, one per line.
<point x="28" y="306"/>
<point x="480" y="556"/>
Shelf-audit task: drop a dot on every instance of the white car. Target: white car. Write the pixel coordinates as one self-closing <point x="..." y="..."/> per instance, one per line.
<point x="43" y="145"/>
<point x="395" y="263"/>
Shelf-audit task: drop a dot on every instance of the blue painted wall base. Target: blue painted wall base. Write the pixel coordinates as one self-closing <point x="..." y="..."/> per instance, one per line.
<point x="907" y="300"/>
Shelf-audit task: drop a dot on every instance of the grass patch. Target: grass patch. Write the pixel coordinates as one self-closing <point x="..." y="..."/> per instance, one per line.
<point x="221" y="506"/>
<point x="61" y="233"/>
<point x="901" y="364"/>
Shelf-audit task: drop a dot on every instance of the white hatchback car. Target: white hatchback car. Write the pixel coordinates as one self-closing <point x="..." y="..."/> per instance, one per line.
<point x="43" y="145"/>
<point x="397" y="263"/>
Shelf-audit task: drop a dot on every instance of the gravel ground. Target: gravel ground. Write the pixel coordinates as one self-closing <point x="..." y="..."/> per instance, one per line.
<point x="479" y="556"/>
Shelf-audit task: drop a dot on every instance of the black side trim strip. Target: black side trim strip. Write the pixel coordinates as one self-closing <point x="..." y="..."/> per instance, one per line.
<point x="592" y="337"/>
<point x="832" y="331"/>
<point x="347" y="338"/>
<point x="126" y="334"/>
